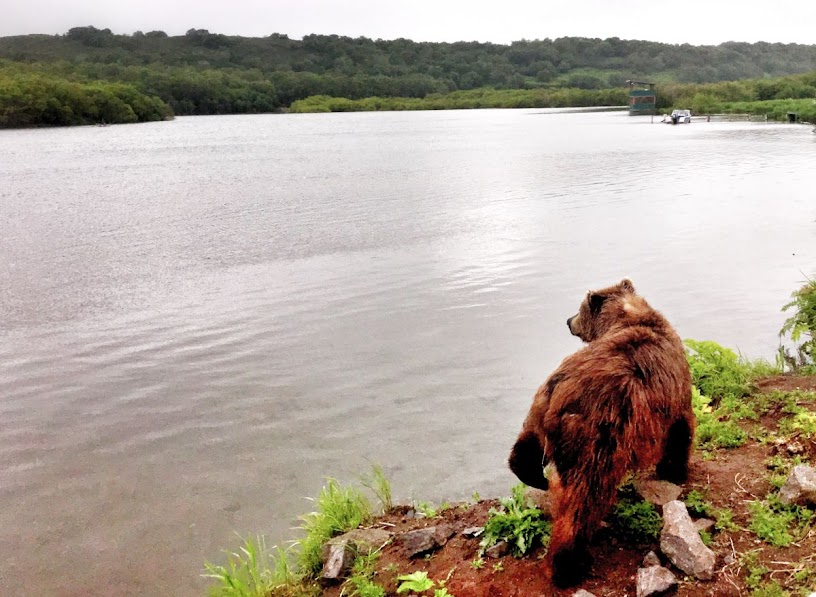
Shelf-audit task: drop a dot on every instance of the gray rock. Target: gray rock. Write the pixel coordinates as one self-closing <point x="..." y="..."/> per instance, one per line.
<point x="681" y="543"/>
<point x="499" y="550"/>
<point x="704" y="524"/>
<point x="472" y="532"/>
<point x="800" y="487"/>
<point x="651" y="559"/>
<point x="337" y="562"/>
<point x="540" y="499"/>
<point x="655" y="581"/>
<point x="339" y="553"/>
<point x="583" y="593"/>
<point x="657" y="492"/>
<point x="729" y="559"/>
<point x="424" y="541"/>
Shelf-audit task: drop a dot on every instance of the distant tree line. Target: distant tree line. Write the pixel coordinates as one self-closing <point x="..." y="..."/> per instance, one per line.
<point x="209" y="73"/>
<point x="35" y="100"/>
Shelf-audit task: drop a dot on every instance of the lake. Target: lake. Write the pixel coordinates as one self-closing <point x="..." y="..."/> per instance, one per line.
<point x="201" y="319"/>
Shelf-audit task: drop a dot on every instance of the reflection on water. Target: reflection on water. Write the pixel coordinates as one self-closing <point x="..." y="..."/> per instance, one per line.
<point x="201" y="318"/>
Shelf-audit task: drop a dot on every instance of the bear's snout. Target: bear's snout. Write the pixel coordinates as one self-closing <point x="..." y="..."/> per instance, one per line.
<point x="569" y="324"/>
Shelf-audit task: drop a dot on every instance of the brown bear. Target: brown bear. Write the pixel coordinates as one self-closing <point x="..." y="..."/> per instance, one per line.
<point x="621" y="403"/>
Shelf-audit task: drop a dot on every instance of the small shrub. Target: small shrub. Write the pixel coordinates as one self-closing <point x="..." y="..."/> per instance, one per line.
<point x="635" y="519"/>
<point x="477" y="563"/>
<point x="717" y="371"/>
<point x="801" y="326"/>
<point x="705" y="537"/>
<point x="523" y="526"/>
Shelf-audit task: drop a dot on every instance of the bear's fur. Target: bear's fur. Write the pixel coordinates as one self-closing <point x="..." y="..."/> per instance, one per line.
<point x="621" y="403"/>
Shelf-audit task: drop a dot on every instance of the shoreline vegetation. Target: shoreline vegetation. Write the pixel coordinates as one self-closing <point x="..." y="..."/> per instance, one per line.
<point x="90" y="76"/>
<point x="755" y="443"/>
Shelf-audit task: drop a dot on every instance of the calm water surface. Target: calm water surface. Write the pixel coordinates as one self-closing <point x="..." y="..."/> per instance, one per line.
<point x="200" y="319"/>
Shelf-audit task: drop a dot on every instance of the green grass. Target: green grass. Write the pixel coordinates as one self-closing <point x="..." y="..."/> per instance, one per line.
<point x="380" y="486"/>
<point x="338" y="509"/>
<point x="361" y="582"/>
<point x="715" y="428"/>
<point x="697" y="504"/>
<point x="634" y="518"/>
<point x="803" y="423"/>
<point x="770" y="589"/>
<point x="254" y="571"/>
<point x="724" y="520"/>
<point x="519" y="523"/>
<point x="779" y="524"/>
<point x="770" y="526"/>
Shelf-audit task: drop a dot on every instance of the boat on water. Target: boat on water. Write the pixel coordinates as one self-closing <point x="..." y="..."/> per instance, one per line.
<point x="678" y="117"/>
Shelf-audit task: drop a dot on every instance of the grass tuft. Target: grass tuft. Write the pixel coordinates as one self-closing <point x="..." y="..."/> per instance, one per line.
<point x="253" y="571"/>
<point x="380" y="486"/>
<point x="339" y="509"/>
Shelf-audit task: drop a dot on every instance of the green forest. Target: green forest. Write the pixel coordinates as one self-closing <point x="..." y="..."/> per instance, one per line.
<point x="92" y="75"/>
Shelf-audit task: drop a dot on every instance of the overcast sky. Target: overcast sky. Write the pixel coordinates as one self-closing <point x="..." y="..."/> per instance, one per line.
<point x="693" y="21"/>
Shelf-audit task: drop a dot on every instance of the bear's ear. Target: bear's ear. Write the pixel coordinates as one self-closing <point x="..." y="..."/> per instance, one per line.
<point x="595" y="301"/>
<point x="626" y="284"/>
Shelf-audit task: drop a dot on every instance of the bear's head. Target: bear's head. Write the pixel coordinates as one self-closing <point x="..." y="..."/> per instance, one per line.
<point x="604" y="309"/>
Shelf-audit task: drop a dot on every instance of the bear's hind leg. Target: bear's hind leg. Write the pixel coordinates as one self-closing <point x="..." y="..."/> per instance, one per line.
<point x="577" y="513"/>
<point x="676" y="452"/>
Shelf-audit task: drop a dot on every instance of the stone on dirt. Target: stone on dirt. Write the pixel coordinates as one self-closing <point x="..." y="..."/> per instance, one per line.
<point x="473" y="532"/>
<point x="540" y="499"/>
<point x="655" y="581"/>
<point x="800" y="487"/>
<point x="338" y="560"/>
<point x="651" y="559"/>
<point x="657" y="492"/>
<point x="681" y="543"/>
<point x="499" y="550"/>
<point x="704" y="524"/>
<point x="583" y="593"/>
<point x="424" y="541"/>
<point x="340" y="552"/>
